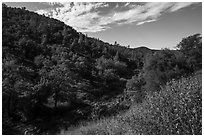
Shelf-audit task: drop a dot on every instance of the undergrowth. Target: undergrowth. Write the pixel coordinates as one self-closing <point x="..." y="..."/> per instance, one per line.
<point x="176" y="109"/>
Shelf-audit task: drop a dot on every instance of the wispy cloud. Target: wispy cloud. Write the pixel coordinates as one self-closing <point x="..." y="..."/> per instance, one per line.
<point x="88" y="17"/>
<point x="180" y="5"/>
<point x="146" y="21"/>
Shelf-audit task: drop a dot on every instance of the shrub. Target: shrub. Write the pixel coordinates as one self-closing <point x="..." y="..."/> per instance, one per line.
<point x="161" y="67"/>
<point x="191" y="47"/>
<point x="135" y="83"/>
<point x="176" y="109"/>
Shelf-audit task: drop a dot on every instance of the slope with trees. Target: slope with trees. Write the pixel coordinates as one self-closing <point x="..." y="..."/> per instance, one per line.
<point x="54" y="76"/>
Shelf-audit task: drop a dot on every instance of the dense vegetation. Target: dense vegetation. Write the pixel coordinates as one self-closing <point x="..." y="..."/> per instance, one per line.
<point x="54" y="77"/>
<point x="176" y="109"/>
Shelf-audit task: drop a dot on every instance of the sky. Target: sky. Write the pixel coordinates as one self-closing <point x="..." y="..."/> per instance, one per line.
<point x="151" y="24"/>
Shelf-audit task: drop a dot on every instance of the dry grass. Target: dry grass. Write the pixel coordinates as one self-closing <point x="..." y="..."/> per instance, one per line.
<point x="175" y="109"/>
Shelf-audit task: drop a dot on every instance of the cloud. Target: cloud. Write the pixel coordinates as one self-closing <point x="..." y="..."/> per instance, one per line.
<point x="90" y="17"/>
<point x="180" y="5"/>
<point x="147" y="21"/>
<point x="56" y="3"/>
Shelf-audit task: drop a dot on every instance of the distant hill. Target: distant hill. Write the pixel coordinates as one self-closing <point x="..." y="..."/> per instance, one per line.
<point x="143" y="49"/>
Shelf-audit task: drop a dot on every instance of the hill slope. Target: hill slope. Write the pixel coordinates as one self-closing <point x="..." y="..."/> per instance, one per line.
<point x="176" y="109"/>
<point x="51" y="67"/>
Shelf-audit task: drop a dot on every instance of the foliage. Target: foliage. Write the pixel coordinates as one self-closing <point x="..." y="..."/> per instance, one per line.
<point x="135" y="83"/>
<point x="175" y="110"/>
<point x="47" y="63"/>
<point x="162" y="67"/>
<point x="191" y="47"/>
<point x="110" y="72"/>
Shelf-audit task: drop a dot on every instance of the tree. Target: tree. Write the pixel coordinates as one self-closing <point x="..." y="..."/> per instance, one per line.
<point x="57" y="76"/>
<point x="16" y="87"/>
<point x="120" y="68"/>
<point x="116" y="58"/>
<point x="162" y="67"/>
<point x="73" y="44"/>
<point x="80" y="40"/>
<point x="135" y="83"/>
<point x="9" y="77"/>
<point x="191" y="47"/>
<point x="86" y="41"/>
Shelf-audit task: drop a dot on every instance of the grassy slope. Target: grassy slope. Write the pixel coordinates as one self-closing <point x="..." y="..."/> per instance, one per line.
<point x="176" y="109"/>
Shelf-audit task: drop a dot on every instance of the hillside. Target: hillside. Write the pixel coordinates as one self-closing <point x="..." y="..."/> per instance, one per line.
<point x="54" y="77"/>
<point x="36" y="51"/>
<point x="176" y="109"/>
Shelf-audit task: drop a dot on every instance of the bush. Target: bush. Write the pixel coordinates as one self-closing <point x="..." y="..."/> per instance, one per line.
<point x="191" y="47"/>
<point x="135" y="83"/>
<point x="161" y="67"/>
<point x="175" y="110"/>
